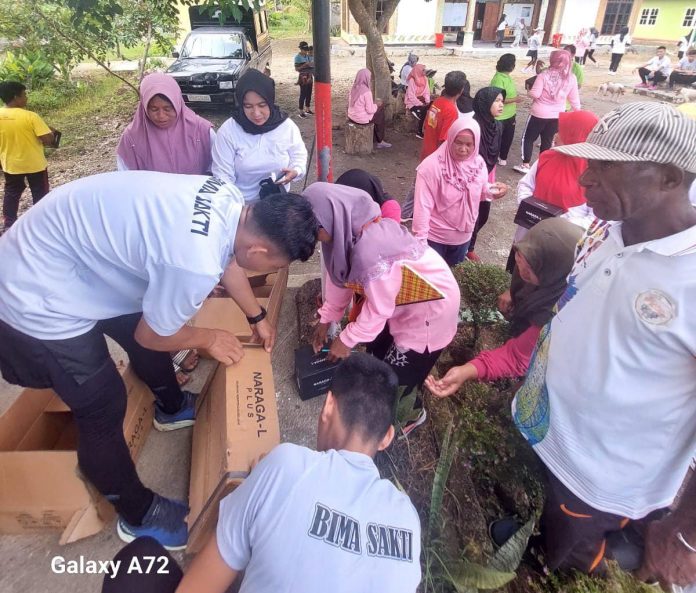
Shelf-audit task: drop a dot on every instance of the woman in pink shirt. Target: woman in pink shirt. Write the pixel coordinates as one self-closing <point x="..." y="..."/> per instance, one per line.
<point x="551" y="89"/>
<point x="417" y="99"/>
<point x="450" y="183"/>
<point x="374" y="256"/>
<point x="363" y="110"/>
<point x="544" y="259"/>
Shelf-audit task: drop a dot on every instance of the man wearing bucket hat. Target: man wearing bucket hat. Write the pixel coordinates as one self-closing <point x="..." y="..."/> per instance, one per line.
<point x="609" y="402"/>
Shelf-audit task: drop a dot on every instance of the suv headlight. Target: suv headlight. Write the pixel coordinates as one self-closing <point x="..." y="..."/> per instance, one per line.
<point x="226" y="84"/>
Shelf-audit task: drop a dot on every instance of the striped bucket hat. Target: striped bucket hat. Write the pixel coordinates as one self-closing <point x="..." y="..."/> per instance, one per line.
<point x="641" y="132"/>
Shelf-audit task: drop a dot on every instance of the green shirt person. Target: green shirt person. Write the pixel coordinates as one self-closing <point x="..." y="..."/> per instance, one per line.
<point x="503" y="80"/>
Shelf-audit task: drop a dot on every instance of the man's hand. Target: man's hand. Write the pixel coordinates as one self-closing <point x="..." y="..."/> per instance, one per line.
<point x="452" y="381"/>
<point x="665" y="558"/>
<point x="225" y="347"/>
<point x="505" y="304"/>
<point x="338" y="350"/>
<point x="319" y="337"/>
<point x="290" y="174"/>
<point x="264" y="332"/>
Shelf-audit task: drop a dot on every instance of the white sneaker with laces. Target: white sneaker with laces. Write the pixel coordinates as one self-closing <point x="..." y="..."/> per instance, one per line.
<point x="383" y="144"/>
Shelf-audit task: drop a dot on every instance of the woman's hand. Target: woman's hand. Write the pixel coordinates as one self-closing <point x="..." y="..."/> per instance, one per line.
<point x="290" y="174"/>
<point x="319" y="337"/>
<point x="505" y="304"/>
<point x="452" y="381"/>
<point x="498" y="190"/>
<point x="338" y="350"/>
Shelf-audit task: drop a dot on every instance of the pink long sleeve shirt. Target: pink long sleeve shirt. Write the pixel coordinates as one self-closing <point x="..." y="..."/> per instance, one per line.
<point x="411" y="99"/>
<point x="546" y="107"/>
<point x="428" y="222"/>
<point x="510" y="360"/>
<point x="363" y="109"/>
<point x="430" y="325"/>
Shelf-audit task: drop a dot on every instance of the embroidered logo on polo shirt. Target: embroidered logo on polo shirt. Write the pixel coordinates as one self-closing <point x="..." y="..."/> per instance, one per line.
<point x="654" y="307"/>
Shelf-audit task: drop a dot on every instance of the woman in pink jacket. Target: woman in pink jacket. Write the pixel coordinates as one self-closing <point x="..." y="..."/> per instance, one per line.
<point x="551" y="89"/>
<point x="417" y="99"/>
<point x="363" y="110"/>
<point x="450" y="183"/>
<point x="379" y="259"/>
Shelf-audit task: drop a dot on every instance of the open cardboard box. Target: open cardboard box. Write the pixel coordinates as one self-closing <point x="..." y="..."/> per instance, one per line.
<point x="40" y="484"/>
<point x="236" y="423"/>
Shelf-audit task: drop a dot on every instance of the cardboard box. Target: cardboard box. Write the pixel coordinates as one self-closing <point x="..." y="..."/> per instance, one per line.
<point x="532" y="210"/>
<point x="313" y="372"/>
<point x="236" y="423"/>
<point x="40" y="484"/>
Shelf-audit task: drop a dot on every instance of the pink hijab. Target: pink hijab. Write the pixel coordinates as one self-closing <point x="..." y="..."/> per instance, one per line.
<point x="460" y="183"/>
<point x="419" y="79"/>
<point x="360" y="86"/>
<point x="558" y="72"/>
<point x="182" y="148"/>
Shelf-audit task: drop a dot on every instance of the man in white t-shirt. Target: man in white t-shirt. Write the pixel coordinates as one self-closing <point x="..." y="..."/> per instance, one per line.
<point x="132" y="255"/>
<point x="307" y="521"/>
<point x="655" y="70"/>
<point x="609" y="402"/>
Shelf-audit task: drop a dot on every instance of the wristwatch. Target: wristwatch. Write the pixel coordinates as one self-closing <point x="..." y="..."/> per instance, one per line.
<point x="260" y="317"/>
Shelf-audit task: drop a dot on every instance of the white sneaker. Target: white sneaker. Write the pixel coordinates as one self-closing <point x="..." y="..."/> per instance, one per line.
<point x="612" y="73"/>
<point x="384" y="144"/>
<point x="524" y="169"/>
<point x="502" y="162"/>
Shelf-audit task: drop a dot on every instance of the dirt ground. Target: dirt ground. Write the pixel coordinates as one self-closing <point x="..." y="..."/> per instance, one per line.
<point x="26" y="559"/>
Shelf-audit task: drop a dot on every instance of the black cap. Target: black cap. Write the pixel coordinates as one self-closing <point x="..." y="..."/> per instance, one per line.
<point x="304" y="45"/>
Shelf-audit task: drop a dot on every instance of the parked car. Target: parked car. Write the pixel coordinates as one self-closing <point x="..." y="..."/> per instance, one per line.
<point x="214" y="56"/>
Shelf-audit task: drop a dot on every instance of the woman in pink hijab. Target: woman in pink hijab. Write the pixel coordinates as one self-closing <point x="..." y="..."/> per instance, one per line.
<point x="363" y="110"/>
<point x="417" y="99"/>
<point x="165" y="135"/>
<point x="450" y="183"/>
<point x="552" y="88"/>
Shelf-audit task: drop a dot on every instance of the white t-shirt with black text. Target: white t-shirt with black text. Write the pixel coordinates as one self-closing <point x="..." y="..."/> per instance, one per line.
<point x="114" y="244"/>
<point x="311" y="522"/>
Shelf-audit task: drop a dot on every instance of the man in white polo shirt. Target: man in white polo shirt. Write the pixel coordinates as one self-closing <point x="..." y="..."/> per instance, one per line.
<point x="310" y="521"/>
<point x="609" y="403"/>
<point x="132" y="255"/>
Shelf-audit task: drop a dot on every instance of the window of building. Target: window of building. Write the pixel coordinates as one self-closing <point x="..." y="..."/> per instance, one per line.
<point x="648" y="16"/>
<point x="616" y="16"/>
<point x="689" y="17"/>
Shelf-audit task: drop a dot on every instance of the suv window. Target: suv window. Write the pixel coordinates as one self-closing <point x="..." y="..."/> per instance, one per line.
<point x="213" y="45"/>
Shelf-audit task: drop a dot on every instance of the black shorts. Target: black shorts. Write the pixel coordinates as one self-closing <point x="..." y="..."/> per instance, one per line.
<point x="533" y="53"/>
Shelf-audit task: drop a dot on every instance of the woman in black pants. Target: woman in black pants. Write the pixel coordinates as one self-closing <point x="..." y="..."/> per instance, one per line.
<point x="503" y="80"/>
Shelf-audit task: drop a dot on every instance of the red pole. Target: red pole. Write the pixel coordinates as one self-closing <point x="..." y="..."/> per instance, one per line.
<point x="321" y="12"/>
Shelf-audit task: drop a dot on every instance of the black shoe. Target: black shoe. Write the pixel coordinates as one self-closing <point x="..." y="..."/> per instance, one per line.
<point x="303" y="115"/>
<point x="310" y="112"/>
<point x="419" y="135"/>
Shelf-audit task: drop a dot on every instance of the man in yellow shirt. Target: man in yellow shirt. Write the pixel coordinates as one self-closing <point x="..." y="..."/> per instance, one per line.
<point x="23" y="134"/>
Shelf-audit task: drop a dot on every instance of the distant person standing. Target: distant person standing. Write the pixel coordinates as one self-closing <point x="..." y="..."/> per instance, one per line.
<point x="503" y="80"/>
<point x="23" y="134"/>
<point x="500" y="31"/>
<point x="520" y="33"/>
<point x="533" y="51"/>
<point x="684" y="43"/>
<point x="591" y="48"/>
<point x="304" y="66"/>
<point x="582" y="42"/>
<point x="619" y="43"/>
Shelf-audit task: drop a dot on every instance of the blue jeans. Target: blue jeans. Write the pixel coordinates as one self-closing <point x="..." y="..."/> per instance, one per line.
<point x="452" y="254"/>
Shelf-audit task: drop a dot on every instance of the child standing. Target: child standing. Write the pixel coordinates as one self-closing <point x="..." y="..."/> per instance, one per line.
<point x="304" y="66"/>
<point x="23" y="134"/>
<point x="533" y="52"/>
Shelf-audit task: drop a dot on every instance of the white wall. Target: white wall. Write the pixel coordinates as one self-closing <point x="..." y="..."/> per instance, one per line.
<point x="578" y="14"/>
<point x="416" y="17"/>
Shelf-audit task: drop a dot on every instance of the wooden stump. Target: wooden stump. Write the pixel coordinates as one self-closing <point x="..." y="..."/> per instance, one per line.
<point x="399" y="104"/>
<point x="359" y="138"/>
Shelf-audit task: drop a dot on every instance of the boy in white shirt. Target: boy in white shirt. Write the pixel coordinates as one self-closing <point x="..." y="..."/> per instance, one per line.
<point x="656" y="70"/>
<point x="685" y="72"/>
<point x="311" y="521"/>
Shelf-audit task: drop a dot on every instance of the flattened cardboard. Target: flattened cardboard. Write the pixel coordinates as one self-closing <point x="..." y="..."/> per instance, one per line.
<point x="236" y="424"/>
<point x="40" y="485"/>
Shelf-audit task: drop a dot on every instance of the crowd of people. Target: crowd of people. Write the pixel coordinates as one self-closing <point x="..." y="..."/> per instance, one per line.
<point x="599" y="321"/>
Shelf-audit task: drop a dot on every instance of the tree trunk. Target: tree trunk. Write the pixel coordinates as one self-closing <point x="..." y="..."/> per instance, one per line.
<point x="146" y="51"/>
<point x="376" y="57"/>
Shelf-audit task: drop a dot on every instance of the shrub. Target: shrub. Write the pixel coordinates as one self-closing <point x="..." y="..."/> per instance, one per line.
<point x="30" y="68"/>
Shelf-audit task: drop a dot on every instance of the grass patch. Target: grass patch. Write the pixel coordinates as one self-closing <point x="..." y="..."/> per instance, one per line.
<point x="290" y="23"/>
<point x="136" y="52"/>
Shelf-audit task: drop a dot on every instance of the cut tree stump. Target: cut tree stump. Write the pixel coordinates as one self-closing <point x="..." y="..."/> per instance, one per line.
<point x="359" y="138"/>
